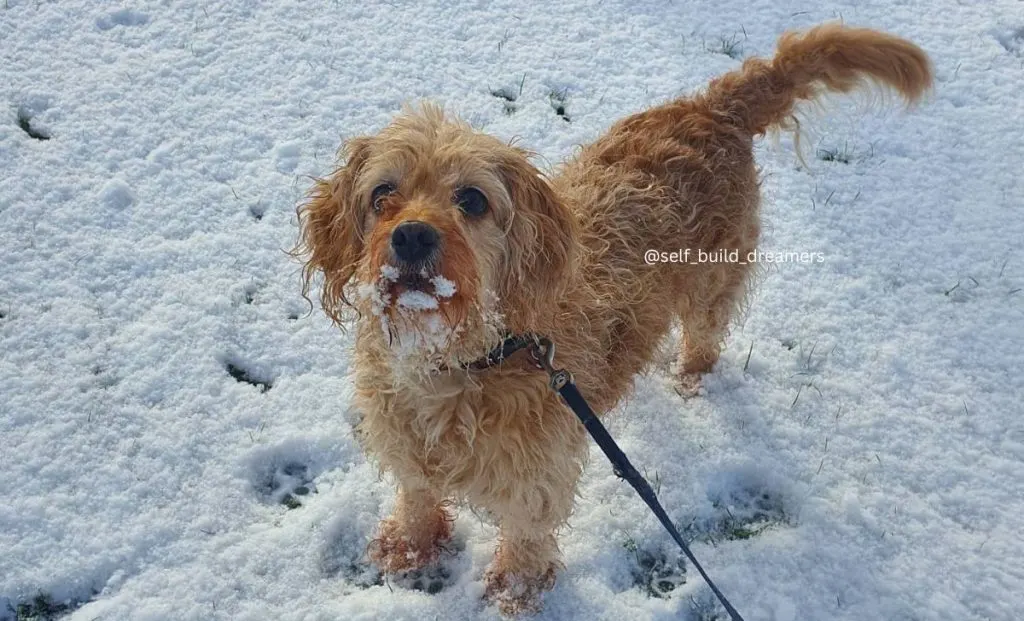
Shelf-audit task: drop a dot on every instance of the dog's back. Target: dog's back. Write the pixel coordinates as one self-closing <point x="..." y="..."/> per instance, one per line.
<point x="680" y="180"/>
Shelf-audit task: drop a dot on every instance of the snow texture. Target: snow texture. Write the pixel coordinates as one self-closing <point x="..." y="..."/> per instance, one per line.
<point x="414" y="300"/>
<point x="443" y="288"/>
<point x="176" y="427"/>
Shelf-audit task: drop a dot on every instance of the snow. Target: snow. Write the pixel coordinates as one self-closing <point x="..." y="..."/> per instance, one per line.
<point x="443" y="288"/>
<point x="419" y="333"/>
<point x="377" y="295"/>
<point x="858" y="453"/>
<point x="416" y="300"/>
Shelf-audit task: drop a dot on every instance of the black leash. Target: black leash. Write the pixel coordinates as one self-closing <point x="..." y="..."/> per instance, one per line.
<point x="543" y="352"/>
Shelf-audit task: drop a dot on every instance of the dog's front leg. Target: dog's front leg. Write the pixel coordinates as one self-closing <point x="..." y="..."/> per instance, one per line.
<point x="528" y="557"/>
<point x="415" y="532"/>
<point x="524" y="566"/>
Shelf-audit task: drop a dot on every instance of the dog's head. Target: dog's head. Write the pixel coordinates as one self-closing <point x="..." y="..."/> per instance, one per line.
<point x="445" y="236"/>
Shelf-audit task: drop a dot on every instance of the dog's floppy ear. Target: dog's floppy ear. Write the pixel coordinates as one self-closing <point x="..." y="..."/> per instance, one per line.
<point x="542" y="239"/>
<point x="330" y="230"/>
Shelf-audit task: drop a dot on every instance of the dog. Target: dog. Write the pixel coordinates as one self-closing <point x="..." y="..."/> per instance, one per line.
<point x="441" y="241"/>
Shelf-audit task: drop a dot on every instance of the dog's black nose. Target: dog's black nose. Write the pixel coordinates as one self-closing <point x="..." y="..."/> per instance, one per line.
<point x="414" y="241"/>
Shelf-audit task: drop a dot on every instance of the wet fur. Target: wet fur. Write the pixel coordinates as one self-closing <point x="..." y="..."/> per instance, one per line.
<point x="561" y="257"/>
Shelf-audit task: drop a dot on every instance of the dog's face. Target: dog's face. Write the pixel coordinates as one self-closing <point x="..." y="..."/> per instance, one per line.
<point x="445" y="236"/>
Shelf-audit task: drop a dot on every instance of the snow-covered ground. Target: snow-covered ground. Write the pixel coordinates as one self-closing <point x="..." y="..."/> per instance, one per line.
<point x="175" y="441"/>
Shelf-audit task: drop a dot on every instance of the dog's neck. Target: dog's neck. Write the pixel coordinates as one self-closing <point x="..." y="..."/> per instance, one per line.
<point x="512" y="344"/>
<point x="424" y="346"/>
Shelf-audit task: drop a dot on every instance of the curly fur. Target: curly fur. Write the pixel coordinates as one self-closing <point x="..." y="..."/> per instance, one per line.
<point x="559" y="256"/>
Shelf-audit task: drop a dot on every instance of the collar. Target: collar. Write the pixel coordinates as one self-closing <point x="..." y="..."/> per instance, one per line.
<point x="509" y="346"/>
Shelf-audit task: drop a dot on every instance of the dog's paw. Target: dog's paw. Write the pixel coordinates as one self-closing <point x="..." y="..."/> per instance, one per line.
<point x="397" y="550"/>
<point x="515" y="594"/>
<point x="688" y="385"/>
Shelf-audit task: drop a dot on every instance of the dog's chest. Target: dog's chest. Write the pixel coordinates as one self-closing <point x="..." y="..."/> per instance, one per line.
<point x="464" y="434"/>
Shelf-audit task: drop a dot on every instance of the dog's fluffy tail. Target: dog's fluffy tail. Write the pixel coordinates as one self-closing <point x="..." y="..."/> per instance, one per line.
<point x="831" y="57"/>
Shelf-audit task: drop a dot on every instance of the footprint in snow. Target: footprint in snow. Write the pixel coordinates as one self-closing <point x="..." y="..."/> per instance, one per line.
<point x="287" y="483"/>
<point x="431" y="580"/>
<point x="285" y="473"/>
<point x="654" y="571"/>
<point x="1012" y="40"/>
<point x="245" y="373"/>
<point x="344" y="557"/>
<point x="508" y="97"/>
<point x="31" y="116"/>
<point x="121" y="17"/>
<point x="742" y="503"/>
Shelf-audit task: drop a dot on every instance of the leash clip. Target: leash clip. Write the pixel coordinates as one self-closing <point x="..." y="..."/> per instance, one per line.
<point x="543" y="354"/>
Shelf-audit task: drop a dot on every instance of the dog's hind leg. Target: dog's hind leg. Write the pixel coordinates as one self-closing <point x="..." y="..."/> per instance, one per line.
<point x="705" y="316"/>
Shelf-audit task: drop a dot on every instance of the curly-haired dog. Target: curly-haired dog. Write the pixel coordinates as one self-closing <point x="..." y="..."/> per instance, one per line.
<point x="445" y="240"/>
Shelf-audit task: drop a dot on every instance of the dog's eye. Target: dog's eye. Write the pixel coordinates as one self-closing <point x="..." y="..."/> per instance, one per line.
<point x="471" y="201"/>
<point x="381" y="192"/>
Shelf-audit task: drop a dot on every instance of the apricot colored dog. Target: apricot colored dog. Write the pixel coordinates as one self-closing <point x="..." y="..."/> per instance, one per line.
<point x="445" y="240"/>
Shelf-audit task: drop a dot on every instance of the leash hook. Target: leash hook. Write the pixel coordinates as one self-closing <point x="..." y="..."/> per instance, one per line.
<point x="543" y="353"/>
